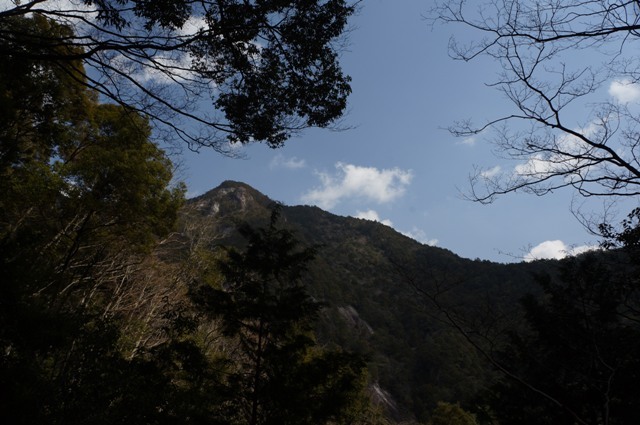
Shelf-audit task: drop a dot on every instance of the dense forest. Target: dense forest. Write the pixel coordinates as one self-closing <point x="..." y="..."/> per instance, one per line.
<point x="444" y="335"/>
<point x="123" y="302"/>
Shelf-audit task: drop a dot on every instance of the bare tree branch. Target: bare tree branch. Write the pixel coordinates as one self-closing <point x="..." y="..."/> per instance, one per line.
<point x="537" y="44"/>
<point x="209" y="73"/>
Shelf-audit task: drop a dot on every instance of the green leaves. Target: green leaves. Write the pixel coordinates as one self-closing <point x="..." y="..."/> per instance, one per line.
<point x="282" y="377"/>
<point x="576" y="358"/>
<point x="94" y="329"/>
<point x="258" y="70"/>
<point x="86" y="195"/>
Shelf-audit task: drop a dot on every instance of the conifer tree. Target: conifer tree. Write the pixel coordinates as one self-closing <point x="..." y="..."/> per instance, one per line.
<point x="282" y="376"/>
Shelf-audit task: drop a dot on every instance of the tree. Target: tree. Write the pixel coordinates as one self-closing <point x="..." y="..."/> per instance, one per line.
<point x="267" y="68"/>
<point x="86" y="194"/>
<point x="451" y="414"/>
<point x="541" y="46"/>
<point x="282" y="376"/>
<point x="577" y="353"/>
<point x="589" y="313"/>
<point x="85" y="197"/>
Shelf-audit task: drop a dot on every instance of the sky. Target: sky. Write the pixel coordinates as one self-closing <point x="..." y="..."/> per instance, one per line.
<point x="396" y="163"/>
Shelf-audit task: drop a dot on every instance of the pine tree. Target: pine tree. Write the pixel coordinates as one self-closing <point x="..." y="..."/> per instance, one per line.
<point x="282" y="377"/>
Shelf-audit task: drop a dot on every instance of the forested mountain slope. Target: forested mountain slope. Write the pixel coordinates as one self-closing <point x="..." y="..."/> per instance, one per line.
<point x="386" y="296"/>
<point x="248" y="312"/>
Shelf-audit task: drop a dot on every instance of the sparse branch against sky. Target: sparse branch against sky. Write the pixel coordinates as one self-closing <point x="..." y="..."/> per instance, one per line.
<point x="398" y="164"/>
<point x="538" y="46"/>
<point x="206" y="73"/>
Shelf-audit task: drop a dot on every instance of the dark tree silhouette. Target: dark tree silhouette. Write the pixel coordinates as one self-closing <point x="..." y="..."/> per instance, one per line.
<point x="540" y="47"/>
<point x="577" y="354"/>
<point x="206" y="72"/>
<point x="573" y="361"/>
<point x="85" y="197"/>
<point x="282" y="376"/>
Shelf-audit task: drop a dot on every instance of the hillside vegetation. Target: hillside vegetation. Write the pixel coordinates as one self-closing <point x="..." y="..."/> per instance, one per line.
<point x="388" y="297"/>
<point x="121" y="302"/>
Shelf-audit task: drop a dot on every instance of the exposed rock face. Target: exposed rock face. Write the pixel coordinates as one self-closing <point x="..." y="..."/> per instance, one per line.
<point x="222" y="208"/>
<point x="351" y="316"/>
<point x="382" y="398"/>
<point x="371" y="280"/>
<point x="230" y="198"/>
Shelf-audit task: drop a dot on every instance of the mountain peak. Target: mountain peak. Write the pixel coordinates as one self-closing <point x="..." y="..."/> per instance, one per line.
<point x="233" y="185"/>
<point x="230" y="196"/>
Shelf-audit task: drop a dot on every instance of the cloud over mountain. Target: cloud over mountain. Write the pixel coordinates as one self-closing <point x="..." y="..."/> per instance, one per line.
<point x="365" y="183"/>
<point x="555" y="250"/>
<point x="373" y="216"/>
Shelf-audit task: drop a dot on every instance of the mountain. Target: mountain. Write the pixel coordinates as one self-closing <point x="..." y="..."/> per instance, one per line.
<point x="411" y="309"/>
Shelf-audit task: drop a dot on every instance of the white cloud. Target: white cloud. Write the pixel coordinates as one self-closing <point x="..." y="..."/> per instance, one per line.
<point x="80" y="15"/>
<point x="73" y="11"/>
<point x="193" y="25"/>
<point x="624" y="90"/>
<point x="176" y="66"/>
<point x="279" y="161"/>
<point x="491" y="172"/>
<point x="373" y="216"/>
<point x="555" y="250"/>
<point x="415" y="233"/>
<point x="540" y="165"/>
<point x="535" y="166"/>
<point x="420" y="236"/>
<point x="352" y="181"/>
<point x="468" y="141"/>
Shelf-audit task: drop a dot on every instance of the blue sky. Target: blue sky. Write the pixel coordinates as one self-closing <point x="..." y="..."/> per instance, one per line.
<point x="397" y="164"/>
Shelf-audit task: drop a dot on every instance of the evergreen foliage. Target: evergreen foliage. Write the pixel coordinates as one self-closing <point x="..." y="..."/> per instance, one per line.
<point x="372" y="282"/>
<point x="576" y="361"/>
<point x="117" y="305"/>
<point x="451" y="414"/>
<point x="205" y="73"/>
<point x="281" y="376"/>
